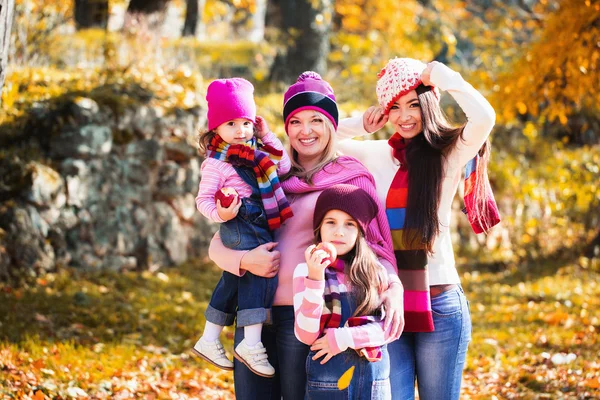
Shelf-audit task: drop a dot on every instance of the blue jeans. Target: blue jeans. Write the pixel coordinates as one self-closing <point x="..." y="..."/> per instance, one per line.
<point x="249" y="295"/>
<point x="370" y="380"/>
<point x="435" y="359"/>
<point x="287" y="355"/>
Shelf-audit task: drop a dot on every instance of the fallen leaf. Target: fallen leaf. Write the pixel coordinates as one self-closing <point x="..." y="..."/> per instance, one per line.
<point x="346" y="378"/>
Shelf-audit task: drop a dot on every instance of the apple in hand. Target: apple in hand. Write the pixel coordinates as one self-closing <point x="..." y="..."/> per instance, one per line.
<point x="226" y="195"/>
<point x="329" y="249"/>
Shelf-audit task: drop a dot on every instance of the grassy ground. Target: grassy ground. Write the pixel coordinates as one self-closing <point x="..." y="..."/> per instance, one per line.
<point x="118" y="336"/>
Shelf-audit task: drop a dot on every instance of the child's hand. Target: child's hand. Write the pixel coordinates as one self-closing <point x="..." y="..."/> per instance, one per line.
<point x="314" y="260"/>
<point x="321" y="346"/>
<point x="374" y="119"/>
<point x="262" y="128"/>
<point x="229" y="213"/>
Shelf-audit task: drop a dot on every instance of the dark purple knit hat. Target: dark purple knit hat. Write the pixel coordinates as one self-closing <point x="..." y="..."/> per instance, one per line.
<point x="310" y="92"/>
<point x="350" y="199"/>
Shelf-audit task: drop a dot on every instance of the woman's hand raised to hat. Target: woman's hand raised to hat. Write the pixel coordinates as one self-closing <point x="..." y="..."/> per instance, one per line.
<point x="262" y="128"/>
<point x="426" y="74"/>
<point x="374" y="119"/>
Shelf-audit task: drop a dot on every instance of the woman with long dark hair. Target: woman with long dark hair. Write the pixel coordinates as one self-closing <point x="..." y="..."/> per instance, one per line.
<point x="417" y="174"/>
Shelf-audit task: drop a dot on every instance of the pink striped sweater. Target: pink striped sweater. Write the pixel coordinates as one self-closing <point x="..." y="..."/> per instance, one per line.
<point x="217" y="174"/>
<point x="308" y="307"/>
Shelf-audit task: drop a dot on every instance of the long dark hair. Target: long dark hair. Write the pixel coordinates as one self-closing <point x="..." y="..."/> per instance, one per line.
<point x="425" y="156"/>
<point x="367" y="278"/>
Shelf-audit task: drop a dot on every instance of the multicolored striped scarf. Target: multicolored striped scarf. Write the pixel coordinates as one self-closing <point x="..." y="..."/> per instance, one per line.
<point x="263" y="159"/>
<point x="484" y="219"/>
<point x="411" y="259"/>
<point x="331" y="316"/>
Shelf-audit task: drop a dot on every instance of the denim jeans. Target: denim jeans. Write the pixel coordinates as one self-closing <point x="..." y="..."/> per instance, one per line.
<point x="287" y="355"/>
<point x="250" y="296"/>
<point x="370" y="380"/>
<point x="435" y="359"/>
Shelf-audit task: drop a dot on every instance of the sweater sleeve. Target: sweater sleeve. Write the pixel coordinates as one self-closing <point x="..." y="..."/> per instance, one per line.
<point x="480" y="114"/>
<point x="284" y="165"/>
<point x="351" y="127"/>
<point x="308" y="305"/>
<point x="211" y="181"/>
<point x="227" y="259"/>
<point x="359" y="337"/>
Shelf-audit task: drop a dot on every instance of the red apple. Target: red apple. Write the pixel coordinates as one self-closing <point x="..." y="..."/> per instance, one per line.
<point x="227" y="195"/>
<point x="329" y="249"/>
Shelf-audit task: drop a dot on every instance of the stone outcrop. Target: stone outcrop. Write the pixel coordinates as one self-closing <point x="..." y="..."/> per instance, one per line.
<point x="111" y="192"/>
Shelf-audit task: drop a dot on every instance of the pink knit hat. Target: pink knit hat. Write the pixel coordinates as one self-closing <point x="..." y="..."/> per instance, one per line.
<point x="310" y="92"/>
<point x="230" y="99"/>
<point x="398" y="77"/>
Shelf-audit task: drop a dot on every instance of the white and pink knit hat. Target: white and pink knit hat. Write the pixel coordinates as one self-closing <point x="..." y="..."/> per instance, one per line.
<point x="398" y="77"/>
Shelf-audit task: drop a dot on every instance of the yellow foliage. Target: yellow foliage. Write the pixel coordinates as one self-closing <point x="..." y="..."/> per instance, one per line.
<point x="561" y="68"/>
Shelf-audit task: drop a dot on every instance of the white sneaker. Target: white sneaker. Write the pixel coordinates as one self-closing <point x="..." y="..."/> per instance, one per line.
<point x="254" y="358"/>
<point x="213" y="352"/>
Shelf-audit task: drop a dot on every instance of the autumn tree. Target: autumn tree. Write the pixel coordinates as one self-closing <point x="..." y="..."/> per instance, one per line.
<point x="91" y="14"/>
<point x="558" y="76"/>
<point x="306" y="25"/>
<point x="193" y="17"/>
<point x="7" y="8"/>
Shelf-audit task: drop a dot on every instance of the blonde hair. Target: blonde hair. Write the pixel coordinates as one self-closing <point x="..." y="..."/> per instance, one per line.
<point x="328" y="155"/>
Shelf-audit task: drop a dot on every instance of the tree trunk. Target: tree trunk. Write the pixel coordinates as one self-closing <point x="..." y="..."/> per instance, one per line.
<point x="147" y="6"/>
<point x="193" y="25"/>
<point x="7" y="10"/>
<point x="308" y="30"/>
<point x="91" y="14"/>
<point x="257" y="32"/>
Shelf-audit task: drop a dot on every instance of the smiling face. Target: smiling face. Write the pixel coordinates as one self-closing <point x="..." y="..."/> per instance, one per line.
<point x="405" y="115"/>
<point x="341" y="230"/>
<point x="236" y="131"/>
<point x="309" y="136"/>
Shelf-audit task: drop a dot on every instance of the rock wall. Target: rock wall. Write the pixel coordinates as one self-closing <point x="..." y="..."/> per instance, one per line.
<point x="112" y="191"/>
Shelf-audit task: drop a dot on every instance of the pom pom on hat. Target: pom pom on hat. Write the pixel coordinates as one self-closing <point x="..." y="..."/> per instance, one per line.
<point x="398" y="77"/>
<point x="308" y="75"/>
<point x="310" y="92"/>
<point x="229" y="99"/>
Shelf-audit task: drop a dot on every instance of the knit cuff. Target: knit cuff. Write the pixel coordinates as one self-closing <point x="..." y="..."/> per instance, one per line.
<point x="335" y="346"/>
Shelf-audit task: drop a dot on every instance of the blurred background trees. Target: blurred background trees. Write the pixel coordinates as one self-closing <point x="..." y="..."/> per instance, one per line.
<point x="537" y="61"/>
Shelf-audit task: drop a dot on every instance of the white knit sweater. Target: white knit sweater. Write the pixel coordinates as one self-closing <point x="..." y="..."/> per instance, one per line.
<point x="377" y="156"/>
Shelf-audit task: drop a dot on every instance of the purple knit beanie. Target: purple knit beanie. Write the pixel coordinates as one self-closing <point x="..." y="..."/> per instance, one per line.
<point x="310" y="92"/>
<point x="350" y="199"/>
<point x="230" y="99"/>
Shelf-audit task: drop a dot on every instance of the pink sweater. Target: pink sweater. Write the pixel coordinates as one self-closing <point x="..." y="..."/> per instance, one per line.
<point x="308" y="308"/>
<point x="296" y="234"/>
<point x="217" y="174"/>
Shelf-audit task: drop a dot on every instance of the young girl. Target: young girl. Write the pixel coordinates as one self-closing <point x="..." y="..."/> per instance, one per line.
<point x="337" y="301"/>
<point x="235" y="159"/>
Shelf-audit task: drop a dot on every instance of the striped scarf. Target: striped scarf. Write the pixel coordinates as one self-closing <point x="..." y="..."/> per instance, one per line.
<point x="331" y="316"/>
<point x="484" y="219"/>
<point x="263" y="159"/>
<point x="411" y="259"/>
